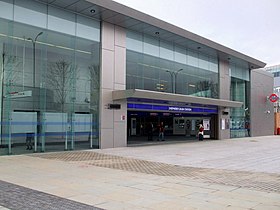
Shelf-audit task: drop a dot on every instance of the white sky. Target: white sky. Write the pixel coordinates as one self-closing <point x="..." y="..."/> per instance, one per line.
<point x="251" y="27"/>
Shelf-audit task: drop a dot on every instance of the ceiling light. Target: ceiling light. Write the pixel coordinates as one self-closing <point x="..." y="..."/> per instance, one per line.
<point x="92" y="11"/>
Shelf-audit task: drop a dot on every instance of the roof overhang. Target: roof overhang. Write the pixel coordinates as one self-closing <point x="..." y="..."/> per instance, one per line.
<point x="136" y="93"/>
<point x="126" y="17"/>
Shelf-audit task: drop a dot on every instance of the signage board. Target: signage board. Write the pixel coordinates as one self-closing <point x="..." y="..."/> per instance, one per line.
<point x="178" y="109"/>
<point x="273" y="97"/>
<point x="22" y="94"/>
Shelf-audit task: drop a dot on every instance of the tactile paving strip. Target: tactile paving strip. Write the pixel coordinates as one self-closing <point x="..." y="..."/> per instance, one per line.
<point x="250" y="180"/>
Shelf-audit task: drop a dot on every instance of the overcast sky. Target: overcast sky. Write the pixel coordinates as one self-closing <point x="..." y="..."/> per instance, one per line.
<point x="248" y="26"/>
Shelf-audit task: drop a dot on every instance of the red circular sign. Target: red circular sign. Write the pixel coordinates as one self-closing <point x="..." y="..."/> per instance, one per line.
<point x="273" y="97"/>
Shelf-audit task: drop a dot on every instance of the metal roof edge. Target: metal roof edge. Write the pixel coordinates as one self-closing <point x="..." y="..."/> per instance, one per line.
<point x="137" y="93"/>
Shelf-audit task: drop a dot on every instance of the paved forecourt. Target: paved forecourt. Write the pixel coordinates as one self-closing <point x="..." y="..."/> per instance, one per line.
<point x="233" y="174"/>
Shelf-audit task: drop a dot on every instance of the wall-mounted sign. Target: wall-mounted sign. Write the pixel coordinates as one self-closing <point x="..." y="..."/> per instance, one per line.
<point x="206" y="124"/>
<point x="178" y="109"/>
<point x="114" y="106"/>
<point x="273" y="97"/>
<point x="19" y="94"/>
<point x="175" y="108"/>
<point x="223" y="123"/>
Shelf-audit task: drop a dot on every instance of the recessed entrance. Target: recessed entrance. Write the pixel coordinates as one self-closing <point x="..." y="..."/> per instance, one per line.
<point x="178" y="126"/>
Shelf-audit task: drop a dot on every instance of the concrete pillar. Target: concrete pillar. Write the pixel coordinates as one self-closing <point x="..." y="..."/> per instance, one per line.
<point x="224" y="90"/>
<point x="113" y="123"/>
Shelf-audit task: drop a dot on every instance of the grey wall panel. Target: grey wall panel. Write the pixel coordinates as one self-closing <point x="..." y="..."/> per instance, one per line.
<point x="106" y="138"/>
<point x="106" y="114"/>
<point x="113" y="77"/>
<point x="262" y="116"/>
<point x="107" y="66"/>
<point x="224" y="80"/>
<point x="107" y="37"/>
<point x="120" y="39"/>
<point x="120" y="65"/>
<point x="223" y="133"/>
<point x="224" y="90"/>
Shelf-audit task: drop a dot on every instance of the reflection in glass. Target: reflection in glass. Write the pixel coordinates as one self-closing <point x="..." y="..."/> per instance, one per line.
<point x="64" y="94"/>
<point x="153" y="64"/>
<point x="239" y="91"/>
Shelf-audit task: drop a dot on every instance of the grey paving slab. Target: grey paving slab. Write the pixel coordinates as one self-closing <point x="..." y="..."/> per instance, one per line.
<point x="21" y="198"/>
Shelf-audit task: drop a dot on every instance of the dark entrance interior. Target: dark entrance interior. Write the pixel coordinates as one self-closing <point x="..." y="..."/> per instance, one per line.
<point x="178" y="126"/>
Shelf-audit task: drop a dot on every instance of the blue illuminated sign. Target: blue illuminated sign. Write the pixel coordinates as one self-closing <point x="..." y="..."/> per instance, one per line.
<point x="181" y="109"/>
<point x="152" y="107"/>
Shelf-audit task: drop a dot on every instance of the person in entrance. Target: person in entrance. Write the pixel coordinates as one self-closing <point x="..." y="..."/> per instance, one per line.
<point x="150" y="130"/>
<point x="161" y="132"/>
<point x="200" y="132"/>
<point x="247" y="126"/>
<point x="29" y="138"/>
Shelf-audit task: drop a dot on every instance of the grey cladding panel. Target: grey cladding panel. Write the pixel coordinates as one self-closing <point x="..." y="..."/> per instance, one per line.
<point x="262" y="117"/>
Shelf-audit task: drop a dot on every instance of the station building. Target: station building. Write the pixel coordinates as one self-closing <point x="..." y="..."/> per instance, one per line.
<point x="81" y="74"/>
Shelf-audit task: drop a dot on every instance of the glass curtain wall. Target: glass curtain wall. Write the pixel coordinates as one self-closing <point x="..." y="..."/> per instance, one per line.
<point x="49" y="79"/>
<point x="240" y="91"/>
<point x="153" y="64"/>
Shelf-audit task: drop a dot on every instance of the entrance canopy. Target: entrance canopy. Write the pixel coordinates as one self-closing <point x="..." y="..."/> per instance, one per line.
<point x="136" y="93"/>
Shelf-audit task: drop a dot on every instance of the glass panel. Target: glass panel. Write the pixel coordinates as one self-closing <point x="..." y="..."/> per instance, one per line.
<point x="240" y="117"/>
<point x="134" y="41"/>
<point x="151" y="46"/>
<point x="180" y="55"/>
<point x="49" y="87"/>
<point x="240" y="91"/>
<point x="165" y="76"/>
<point x="31" y="13"/>
<point x="61" y="21"/>
<point x="7" y="63"/>
<point x="166" y="50"/>
<point x="240" y="72"/>
<point x="169" y="68"/>
<point x="6" y="9"/>
<point x="88" y="29"/>
<point x="214" y="65"/>
<point x="165" y="68"/>
<point x="203" y="62"/>
<point x="192" y="58"/>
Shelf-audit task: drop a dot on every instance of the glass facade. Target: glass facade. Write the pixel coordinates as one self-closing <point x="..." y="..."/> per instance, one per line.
<point x="240" y="91"/>
<point x="156" y="65"/>
<point x="49" y="78"/>
<point x="275" y="70"/>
